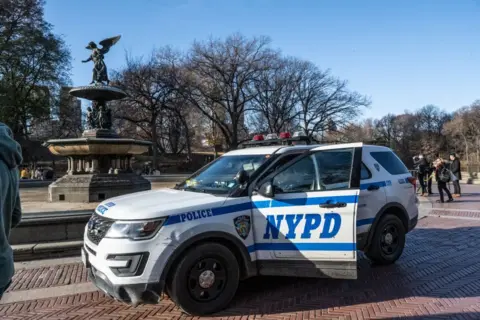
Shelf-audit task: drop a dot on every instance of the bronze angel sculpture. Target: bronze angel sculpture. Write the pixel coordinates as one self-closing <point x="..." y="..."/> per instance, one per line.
<point x="100" y="69"/>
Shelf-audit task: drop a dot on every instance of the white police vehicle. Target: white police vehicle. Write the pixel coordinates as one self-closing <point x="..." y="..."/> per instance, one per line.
<point x="279" y="210"/>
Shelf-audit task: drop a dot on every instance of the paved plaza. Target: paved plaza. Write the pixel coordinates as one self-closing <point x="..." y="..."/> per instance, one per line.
<point x="438" y="277"/>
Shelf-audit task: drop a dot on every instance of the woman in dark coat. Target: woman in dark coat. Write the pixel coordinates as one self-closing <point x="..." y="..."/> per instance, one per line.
<point x="442" y="185"/>
<point x="457" y="172"/>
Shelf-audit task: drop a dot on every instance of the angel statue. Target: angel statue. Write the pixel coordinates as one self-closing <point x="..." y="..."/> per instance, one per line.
<point x="100" y="69"/>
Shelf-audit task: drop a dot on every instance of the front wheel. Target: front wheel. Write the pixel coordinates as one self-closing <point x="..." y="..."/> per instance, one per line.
<point x="205" y="280"/>
<point x="388" y="240"/>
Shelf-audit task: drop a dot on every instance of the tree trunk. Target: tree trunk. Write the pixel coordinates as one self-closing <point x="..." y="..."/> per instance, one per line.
<point x="466" y="153"/>
<point x="234" y="140"/>
<point x="153" y="128"/>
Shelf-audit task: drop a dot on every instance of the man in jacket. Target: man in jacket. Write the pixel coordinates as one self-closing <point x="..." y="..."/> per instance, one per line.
<point x="422" y="173"/>
<point x="10" y="210"/>
<point x="456" y="170"/>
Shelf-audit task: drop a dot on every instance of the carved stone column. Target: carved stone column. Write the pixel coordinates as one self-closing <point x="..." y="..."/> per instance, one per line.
<point x="87" y="165"/>
<point x="94" y="165"/>
<point x="68" y="165"/>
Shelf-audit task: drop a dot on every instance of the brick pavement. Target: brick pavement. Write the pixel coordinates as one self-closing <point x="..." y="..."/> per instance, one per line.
<point x="438" y="277"/>
<point x="48" y="276"/>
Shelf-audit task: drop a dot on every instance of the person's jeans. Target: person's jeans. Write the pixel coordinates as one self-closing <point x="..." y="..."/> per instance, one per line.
<point x="421" y="179"/>
<point x="442" y="186"/>
<point x="456" y="187"/>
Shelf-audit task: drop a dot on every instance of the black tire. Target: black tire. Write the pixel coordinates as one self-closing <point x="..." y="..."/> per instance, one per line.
<point x="381" y="250"/>
<point x="183" y="285"/>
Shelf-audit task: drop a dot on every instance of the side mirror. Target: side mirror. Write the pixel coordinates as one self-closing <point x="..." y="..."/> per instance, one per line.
<point x="266" y="189"/>
<point x="242" y="177"/>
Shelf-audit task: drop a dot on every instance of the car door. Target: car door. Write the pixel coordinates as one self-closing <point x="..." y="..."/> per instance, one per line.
<point x="371" y="199"/>
<point x="260" y="207"/>
<point x="311" y="218"/>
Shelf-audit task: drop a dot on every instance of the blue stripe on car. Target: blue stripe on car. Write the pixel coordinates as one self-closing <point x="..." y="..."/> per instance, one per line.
<point x="303" y="201"/>
<point x="296" y="246"/>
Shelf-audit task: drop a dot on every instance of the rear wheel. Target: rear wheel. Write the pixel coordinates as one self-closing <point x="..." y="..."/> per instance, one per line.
<point x="205" y="279"/>
<point x="388" y="240"/>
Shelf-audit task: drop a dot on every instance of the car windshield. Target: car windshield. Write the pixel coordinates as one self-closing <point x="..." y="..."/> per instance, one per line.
<point x="219" y="176"/>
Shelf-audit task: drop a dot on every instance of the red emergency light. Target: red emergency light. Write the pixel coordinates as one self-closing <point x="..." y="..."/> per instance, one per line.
<point x="258" y="137"/>
<point x="285" y="135"/>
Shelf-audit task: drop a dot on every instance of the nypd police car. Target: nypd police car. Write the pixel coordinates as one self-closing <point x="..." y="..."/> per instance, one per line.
<point x="270" y="210"/>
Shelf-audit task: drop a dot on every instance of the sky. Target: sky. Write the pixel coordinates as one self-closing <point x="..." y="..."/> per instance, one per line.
<point x="402" y="54"/>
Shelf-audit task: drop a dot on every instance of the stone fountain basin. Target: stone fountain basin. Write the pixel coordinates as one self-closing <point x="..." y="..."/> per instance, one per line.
<point x="97" y="146"/>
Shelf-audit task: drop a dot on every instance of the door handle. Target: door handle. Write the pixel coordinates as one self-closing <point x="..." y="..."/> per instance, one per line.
<point x="333" y="205"/>
<point x="373" y="187"/>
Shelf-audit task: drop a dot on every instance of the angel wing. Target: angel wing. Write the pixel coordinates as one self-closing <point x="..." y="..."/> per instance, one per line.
<point x="109" y="42"/>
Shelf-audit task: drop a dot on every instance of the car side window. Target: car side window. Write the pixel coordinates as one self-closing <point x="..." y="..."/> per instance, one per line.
<point x="334" y="168"/>
<point x="283" y="160"/>
<point x="299" y="177"/>
<point x="365" y="173"/>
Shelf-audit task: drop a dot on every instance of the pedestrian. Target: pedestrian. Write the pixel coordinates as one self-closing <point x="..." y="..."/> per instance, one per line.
<point x="457" y="172"/>
<point x="422" y="168"/>
<point x="443" y="176"/>
<point x="430" y="175"/>
<point x="38" y="174"/>
<point x="10" y="210"/>
<point x="24" y="173"/>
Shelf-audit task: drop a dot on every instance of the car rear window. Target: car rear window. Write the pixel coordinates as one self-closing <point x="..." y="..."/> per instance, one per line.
<point x="390" y="162"/>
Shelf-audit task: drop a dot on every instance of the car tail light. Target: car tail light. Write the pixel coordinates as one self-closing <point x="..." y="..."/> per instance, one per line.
<point x="285" y="135"/>
<point x="413" y="181"/>
<point x="258" y="137"/>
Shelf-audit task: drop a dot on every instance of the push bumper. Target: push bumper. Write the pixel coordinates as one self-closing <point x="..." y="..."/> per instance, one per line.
<point x="130" y="294"/>
<point x="412" y="223"/>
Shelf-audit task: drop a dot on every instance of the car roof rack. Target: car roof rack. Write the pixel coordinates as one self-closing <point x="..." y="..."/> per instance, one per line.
<point x="301" y="140"/>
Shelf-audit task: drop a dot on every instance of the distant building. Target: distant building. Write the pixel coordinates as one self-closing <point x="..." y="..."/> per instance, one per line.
<point x="65" y="122"/>
<point x="69" y="113"/>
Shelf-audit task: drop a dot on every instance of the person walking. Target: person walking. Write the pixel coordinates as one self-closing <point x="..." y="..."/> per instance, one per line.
<point x="422" y="173"/>
<point x="443" y="176"/>
<point x="456" y="169"/>
<point x="10" y="210"/>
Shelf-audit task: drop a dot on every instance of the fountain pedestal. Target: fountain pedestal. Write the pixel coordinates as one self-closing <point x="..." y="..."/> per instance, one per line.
<point x="99" y="162"/>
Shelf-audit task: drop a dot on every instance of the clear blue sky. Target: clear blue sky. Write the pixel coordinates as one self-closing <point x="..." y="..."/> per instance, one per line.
<point x="404" y="54"/>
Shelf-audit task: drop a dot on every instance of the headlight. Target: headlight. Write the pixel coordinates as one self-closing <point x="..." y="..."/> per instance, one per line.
<point x="135" y="230"/>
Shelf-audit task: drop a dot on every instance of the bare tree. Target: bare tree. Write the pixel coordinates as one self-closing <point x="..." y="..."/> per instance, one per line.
<point x="275" y="101"/>
<point x="152" y="90"/>
<point x="325" y="99"/>
<point x="464" y="132"/>
<point x="220" y="77"/>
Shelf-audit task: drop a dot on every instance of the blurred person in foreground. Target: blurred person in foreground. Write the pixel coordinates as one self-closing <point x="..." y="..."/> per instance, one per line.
<point x="457" y="172"/>
<point x="443" y="176"/>
<point x="10" y="210"/>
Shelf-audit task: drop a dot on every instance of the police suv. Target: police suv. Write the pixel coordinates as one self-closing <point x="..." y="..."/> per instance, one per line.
<point x="275" y="209"/>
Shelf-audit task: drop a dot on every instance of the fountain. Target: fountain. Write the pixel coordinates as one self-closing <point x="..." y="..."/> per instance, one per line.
<point x="99" y="162"/>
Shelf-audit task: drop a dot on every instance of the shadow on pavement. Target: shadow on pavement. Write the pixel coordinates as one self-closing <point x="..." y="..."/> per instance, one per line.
<point x="443" y="316"/>
<point x="437" y="264"/>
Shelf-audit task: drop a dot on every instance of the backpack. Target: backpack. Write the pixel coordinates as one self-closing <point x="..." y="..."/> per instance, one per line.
<point x="444" y="175"/>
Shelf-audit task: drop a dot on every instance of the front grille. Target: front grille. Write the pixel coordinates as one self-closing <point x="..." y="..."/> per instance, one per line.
<point x="97" y="228"/>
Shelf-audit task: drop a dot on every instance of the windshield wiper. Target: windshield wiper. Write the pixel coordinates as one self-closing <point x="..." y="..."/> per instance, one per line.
<point x="187" y="188"/>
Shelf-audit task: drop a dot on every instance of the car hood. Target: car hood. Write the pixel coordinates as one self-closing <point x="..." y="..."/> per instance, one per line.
<point x="156" y="203"/>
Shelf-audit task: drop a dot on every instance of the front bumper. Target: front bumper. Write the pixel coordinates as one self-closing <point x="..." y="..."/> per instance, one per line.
<point x="133" y="294"/>
<point x="412" y="223"/>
